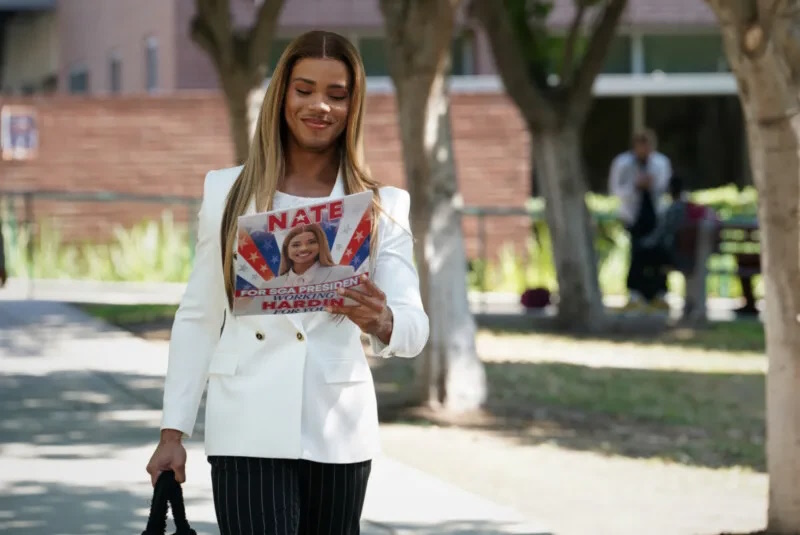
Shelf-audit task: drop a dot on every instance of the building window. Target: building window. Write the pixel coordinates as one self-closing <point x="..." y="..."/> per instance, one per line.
<point x="151" y="64"/>
<point x="79" y="80"/>
<point x="684" y="53"/>
<point x="373" y="55"/>
<point x="50" y="83"/>
<point x="618" y="57"/>
<point x="462" y="59"/>
<point x="276" y="48"/>
<point x="115" y="75"/>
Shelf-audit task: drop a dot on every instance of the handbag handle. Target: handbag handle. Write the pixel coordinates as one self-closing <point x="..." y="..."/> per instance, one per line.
<point x="167" y="490"/>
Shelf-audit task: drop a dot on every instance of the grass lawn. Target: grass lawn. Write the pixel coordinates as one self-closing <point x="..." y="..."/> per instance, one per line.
<point x="126" y="316"/>
<point x="726" y="336"/>
<point x="709" y="412"/>
<point x="713" y="419"/>
<point x="735" y="336"/>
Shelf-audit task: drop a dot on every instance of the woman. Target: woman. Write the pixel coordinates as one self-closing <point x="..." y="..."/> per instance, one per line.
<point x="291" y="418"/>
<point x="306" y="259"/>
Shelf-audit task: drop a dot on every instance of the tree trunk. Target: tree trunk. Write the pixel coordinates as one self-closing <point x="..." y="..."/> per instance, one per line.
<point x="763" y="47"/>
<point x="455" y="374"/>
<point x="240" y="56"/>
<point x="555" y="115"/>
<point x="774" y="149"/>
<point x="419" y="33"/>
<point x="558" y="161"/>
<point x="236" y="89"/>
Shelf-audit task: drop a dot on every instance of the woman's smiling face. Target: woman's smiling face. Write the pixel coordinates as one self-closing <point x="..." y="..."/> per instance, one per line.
<point x="303" y="250"/>
<point x="317" y="103"/>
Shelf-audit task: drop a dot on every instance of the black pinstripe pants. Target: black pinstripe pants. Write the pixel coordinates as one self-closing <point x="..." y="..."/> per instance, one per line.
<point x="287" y="496"/>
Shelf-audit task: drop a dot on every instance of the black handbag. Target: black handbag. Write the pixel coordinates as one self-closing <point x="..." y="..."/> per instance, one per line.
<point x="167" y="490"/>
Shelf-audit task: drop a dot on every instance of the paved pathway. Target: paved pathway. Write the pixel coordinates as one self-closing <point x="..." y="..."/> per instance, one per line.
<point x="79" y="403"/>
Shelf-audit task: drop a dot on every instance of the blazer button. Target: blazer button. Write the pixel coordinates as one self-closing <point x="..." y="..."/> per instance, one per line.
<point x="260" y="335"/>
<point x="300" y="336"/>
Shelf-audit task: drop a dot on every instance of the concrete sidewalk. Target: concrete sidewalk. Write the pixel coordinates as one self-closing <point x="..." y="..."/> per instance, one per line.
<point x="80" y="403"/>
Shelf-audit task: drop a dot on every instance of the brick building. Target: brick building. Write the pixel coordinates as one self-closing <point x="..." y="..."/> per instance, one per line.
<point x="666" y="69"/>
<point x="163" y="146"/>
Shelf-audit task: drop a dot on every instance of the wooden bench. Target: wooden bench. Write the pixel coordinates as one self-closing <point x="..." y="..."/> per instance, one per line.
<point x="709" y="236"/>
<point x="741" y="239"/>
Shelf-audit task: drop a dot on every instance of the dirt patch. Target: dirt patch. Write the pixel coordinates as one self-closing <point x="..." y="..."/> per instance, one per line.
<point x="583" y="492"/>
<point x="153" y="330"/>
<point x="704" y="419"/>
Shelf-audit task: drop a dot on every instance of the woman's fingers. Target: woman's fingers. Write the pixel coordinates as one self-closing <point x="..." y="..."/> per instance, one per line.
<point x="371" y="288"/>
<point x="361" y="316"/>
<point x="362" y="298"/>
<point x="370" y="304"/>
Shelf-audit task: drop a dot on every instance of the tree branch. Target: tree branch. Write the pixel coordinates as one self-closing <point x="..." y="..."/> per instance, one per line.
<point x="398" y="46"/>
<point x="409" y="37"/>
<point x="596" y="52"/>
<point x="791" y="43"/>
<point x="527" y="25"/>
<point x="766" y="14"/>
<point x="211" y="29"/>
<point x="512" y="63"/>
<point x="569" y="46"/>
<point x="260" y="35"/>
<point x="768" y="9"/>
<point x="202" y="35"/>
<point x="741" y="14"/>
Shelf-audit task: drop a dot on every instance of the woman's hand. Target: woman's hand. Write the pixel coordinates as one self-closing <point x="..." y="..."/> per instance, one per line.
<point x="371" y="313"/>
<point x="169" y="455"/>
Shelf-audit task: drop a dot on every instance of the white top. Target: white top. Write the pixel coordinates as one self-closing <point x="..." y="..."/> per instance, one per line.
<point x="312" y="438"/>
<point x="622" y="182"/>
<point x="284" y="201"/>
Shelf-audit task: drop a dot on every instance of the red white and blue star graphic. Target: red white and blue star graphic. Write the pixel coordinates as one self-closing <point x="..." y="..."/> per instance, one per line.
<point x="259" y="252"/>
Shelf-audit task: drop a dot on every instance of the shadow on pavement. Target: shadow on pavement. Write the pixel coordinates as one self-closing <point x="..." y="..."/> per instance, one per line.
<point x="29" y="328"/>
<point x="460" y="527"/>
<point x="80" y="409"/>
<point x="33" y="508"/>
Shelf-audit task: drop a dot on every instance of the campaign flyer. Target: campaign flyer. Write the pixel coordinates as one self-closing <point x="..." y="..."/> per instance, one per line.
<point x="294" y="260"/>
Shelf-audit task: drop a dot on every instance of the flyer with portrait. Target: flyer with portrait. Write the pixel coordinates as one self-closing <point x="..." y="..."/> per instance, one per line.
<point x="295" y="260"/>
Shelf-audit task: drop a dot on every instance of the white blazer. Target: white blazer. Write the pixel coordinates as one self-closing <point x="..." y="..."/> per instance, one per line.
<point x="268" y="374"/>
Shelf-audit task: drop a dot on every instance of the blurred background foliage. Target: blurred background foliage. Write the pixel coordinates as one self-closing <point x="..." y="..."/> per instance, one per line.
<point x="160" y="251"/>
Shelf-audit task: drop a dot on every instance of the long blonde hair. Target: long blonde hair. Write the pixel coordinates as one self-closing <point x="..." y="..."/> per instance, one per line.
<point x="265" y="165"/>
<point x="324" y="256"/>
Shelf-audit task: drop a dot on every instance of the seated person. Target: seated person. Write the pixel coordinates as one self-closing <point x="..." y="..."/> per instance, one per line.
<point x="653" y="254"/>
<point x="662" y="239"/>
